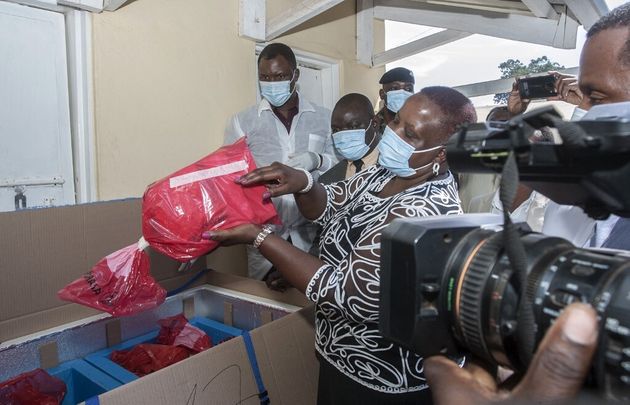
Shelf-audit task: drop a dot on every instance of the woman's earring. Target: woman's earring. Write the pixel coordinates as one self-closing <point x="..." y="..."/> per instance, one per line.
<point x="436" y="168"/>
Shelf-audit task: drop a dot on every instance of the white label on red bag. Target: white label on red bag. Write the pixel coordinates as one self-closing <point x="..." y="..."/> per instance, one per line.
<point x="188" y="178"/>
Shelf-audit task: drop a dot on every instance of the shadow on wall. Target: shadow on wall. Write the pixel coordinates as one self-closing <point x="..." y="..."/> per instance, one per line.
<point x="128" y="2"/>
<point x="340" y="11"/>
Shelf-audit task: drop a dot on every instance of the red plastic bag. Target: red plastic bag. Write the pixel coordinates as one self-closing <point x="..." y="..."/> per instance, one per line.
<point x="36" y="387"/>
<point x="202" y="197"/>
<point x="177" y="331"/>
<point x="119" y="284"/>
<point x="175" y="212"/>
<point x="147" y="358"/>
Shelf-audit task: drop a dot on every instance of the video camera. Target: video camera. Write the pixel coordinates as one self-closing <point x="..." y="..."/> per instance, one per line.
<point x="478" y="283"/>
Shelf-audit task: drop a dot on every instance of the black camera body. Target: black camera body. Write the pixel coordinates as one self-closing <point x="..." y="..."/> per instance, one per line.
<point x="591" y="168"/>
<point x="452" y="284"/>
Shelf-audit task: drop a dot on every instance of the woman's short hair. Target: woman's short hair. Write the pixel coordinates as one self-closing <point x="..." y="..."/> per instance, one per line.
<point x="457" y="108"/>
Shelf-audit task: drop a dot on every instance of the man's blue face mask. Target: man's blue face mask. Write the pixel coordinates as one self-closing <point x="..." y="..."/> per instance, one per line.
<point x="395" y="154"/>
<point x="578" y="113"/>
<point x="396" y="99"/>
<point x="277" y="93"/>
<point x="351" y="143"/>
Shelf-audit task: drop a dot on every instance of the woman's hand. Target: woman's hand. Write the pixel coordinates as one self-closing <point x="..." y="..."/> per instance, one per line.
<point x="278" y="178"/>
<point x="240" y="235"/>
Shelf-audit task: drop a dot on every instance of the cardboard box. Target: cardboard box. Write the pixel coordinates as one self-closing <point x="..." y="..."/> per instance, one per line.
<point x="223" y="375"/>
<point x="42" y="250"/>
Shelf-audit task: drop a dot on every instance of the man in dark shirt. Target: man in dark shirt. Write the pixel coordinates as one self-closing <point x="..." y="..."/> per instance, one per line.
<point x="355" y="137"/>
<point x="397" y="88"/>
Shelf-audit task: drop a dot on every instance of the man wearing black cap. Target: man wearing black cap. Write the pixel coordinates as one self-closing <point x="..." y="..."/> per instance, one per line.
<point x="397" y="88"/>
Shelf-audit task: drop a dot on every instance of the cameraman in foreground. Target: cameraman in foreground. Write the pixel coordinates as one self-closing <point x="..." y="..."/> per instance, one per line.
<point x="565" y="354"/>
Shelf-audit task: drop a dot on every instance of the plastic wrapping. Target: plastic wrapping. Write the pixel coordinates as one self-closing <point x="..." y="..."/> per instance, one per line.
<point x="147" y="358"/>
<point x="36" y="387"/>
<point x="202" y="197"/>
<point x="119" y="284"/>
<point x="177" y="331"/>
<point x="176" y="210"/>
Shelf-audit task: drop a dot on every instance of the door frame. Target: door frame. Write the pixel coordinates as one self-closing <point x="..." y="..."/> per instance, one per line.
<point x="78" y="38"/>
<point x="81" y="93"/>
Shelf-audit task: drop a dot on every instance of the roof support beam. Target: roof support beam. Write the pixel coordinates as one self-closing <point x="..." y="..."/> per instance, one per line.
<point x="417" y="46"/>
<point x="296" y="15"/>
<point x="541" y="8"/>
<point x="252" y="19"/>
<point x="113" y="5"/>
<point x="560" y="34"/>
<point x="365" y="31"/>
<point x="587" y="11"/>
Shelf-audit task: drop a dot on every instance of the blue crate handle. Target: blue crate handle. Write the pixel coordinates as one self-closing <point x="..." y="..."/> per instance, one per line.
<point x="262" y="391"/>
<point x="187" y="283"/>
<point x="92" y="401"/>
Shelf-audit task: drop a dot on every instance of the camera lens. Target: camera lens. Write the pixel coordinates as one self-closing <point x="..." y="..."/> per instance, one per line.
<point x="485" y="319"/>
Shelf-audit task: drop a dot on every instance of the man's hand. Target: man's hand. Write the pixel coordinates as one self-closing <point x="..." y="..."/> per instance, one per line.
<point x="516" y="105"/>
<point x="305" y="160"/>
<point x="557" y="371"/>
<point x="567" y="89"/>
<point x="276" y="281"/>
<point x="278" y="178"/>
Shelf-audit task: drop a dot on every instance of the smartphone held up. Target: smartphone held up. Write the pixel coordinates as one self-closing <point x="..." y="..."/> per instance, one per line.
<point x="537" y="87"/>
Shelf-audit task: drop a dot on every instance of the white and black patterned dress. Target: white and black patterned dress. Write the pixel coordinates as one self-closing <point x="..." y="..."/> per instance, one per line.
<point x="346" y="288"/>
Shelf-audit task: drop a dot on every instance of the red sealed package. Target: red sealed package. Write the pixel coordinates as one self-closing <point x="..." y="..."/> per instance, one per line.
<point x="119" y="284"/>
<point x="203" y="197"/>
<point x="176" y="210"/>
<point x="147" y="358"/>
<point x="177" y="331"/>
<point x="36" y="387"/>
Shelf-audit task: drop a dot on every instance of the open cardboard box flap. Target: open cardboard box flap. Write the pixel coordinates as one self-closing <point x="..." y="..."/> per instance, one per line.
<point x="48" y="248"/>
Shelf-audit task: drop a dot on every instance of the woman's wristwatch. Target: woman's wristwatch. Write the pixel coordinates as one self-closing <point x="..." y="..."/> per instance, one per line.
<point x="260" y="238"/>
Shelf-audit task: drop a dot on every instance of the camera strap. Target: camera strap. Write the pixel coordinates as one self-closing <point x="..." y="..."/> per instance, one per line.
<point x="518" y="260"/>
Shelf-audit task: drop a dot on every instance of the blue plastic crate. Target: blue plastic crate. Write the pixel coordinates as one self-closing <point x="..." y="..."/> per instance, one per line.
<point x="82" y="380"/>
<point x="216" y="330"/>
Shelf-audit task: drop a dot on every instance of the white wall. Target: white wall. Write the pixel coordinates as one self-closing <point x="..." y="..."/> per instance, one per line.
<point x="168" y="74"/>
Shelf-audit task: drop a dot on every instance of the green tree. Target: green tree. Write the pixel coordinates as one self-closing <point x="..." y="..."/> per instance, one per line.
<point x="514" y="68"/>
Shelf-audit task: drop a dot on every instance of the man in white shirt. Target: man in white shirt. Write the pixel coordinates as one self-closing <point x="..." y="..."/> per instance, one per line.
<point x="284" y="127"/>
<point x="604" y="78"/>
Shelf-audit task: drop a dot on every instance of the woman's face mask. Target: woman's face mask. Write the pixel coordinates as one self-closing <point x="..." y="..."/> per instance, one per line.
<point x="395" y="154"/>
<point x="351" y="143"/>
<point x="396" y="99"/>
<point x="277" y="93"/>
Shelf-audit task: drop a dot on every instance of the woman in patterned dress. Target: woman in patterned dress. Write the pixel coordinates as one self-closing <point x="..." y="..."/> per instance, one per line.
<point x="412" y="180"/>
